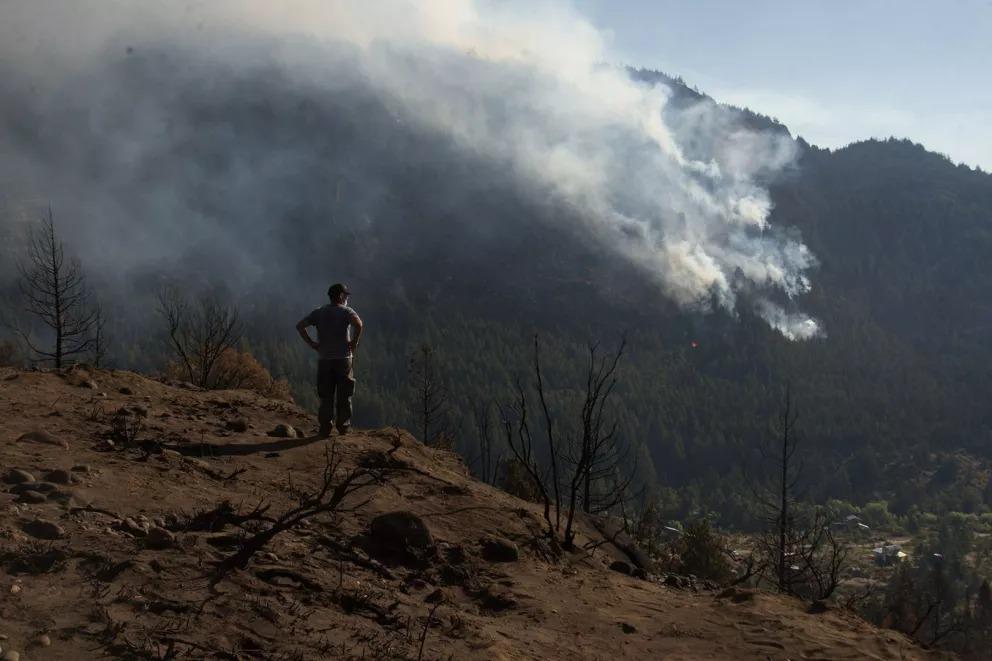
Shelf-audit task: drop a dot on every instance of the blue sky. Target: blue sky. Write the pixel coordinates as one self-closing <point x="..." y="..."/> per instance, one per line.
<point x="833" y="71"/>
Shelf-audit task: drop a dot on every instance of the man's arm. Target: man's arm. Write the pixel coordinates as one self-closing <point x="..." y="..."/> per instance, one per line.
<point x="301" y="328"/>
<point x="356" y="323"/>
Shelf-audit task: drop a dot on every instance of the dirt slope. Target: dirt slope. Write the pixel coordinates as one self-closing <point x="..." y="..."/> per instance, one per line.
<point x="129" y="571"/>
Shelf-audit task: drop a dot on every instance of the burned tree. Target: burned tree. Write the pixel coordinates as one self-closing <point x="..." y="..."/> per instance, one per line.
<point x="429" y="394"/>
<point x="570" y="464"/>
<point x="199" y="333"/>
<point x="489" y="460"/>
<point x="100" y="337"/>
<point x="332" y="497"/>
<point x="54" y="291"/>
<point x="800" y="547"/>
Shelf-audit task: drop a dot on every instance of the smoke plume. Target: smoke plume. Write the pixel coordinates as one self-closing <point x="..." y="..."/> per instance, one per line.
<point x="239" y="134"/>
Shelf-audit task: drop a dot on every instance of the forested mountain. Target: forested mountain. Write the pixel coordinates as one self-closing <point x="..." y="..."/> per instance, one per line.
<point x="442" y="246"/>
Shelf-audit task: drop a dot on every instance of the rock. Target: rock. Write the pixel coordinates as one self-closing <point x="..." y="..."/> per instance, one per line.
<point x="620" y="566"/>
<point x="90" y="383"/>
<point x="44" y="640"/>
<point x="159" y="538"/>
<point x="61" y="496"/>
<point x="31" y="497"/>
<point x="81" y="468"/>
<point x="627" y="627"/>
<point x="639" y="573"/>
<point x="43" y="529"/>
<point x="11" y="655"/>
<point x="437" y="596"/>
<point x="271" y="455"/>
<point x="42" y="437"/>
<point x="498" y="549"/>
<point x="139" y="410"/>
<point x="60" y="476"/>
<point x="40" y="487"/>
<point x="497" y="598"/>
<point x="238" y="425"/>
<point x="818" y="606"/>
<point x="283" y="431"/>
<point x="17" y="476"/>
<point x="131" y="526"/>
<point x="125" y="391"/>
<point x="400" y="535"/>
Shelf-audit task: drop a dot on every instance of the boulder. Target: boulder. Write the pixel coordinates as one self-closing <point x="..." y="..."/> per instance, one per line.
<point x="498" y="549"/>
<point x="401" y="536"/>
<point x="283" y="431"/>
<point x="621" y="566"/>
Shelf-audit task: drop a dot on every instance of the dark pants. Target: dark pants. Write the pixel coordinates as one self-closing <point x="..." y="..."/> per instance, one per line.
<point x="335" y="386"/>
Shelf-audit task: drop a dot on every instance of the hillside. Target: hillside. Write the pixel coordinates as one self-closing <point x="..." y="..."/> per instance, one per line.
<point x="109" y="550"/>
<point x="261" y="189"/>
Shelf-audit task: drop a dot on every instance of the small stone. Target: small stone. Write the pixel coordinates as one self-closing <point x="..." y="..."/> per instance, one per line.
<point x="44" y="640"/>
<point x="31" y="497"/>
<point x="497" y="598"/>
<point x="238" y="425"/>
<point x="81" y="468"/>
<point x="90" y="384"/>
<point x="11" y="655"/>
<point x="627" y="627"/>
<point x="60" y="476"/>
<point x="42" y="437"/>
<point x="159" y="538"/>
<point x="498" y="549"/>
<point x="125" y="391"/>
<point x="67" y="496"/>
<point x="17" y="476"/>
<point x="129" y="525"/>
<point x="43" y="529"/>
<point x="15" y="588"/>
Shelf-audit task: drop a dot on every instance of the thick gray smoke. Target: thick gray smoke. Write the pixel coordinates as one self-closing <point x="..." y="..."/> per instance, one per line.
<point x="127" y="115"/>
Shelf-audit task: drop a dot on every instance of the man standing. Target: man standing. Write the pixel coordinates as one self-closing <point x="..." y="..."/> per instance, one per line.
<point x="336" y="344"/>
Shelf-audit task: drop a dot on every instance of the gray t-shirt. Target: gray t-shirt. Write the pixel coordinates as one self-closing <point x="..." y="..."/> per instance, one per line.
<point x="333" y="324"/>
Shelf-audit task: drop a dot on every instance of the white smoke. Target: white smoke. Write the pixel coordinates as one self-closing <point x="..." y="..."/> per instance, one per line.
<point x="521" y="84"/>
